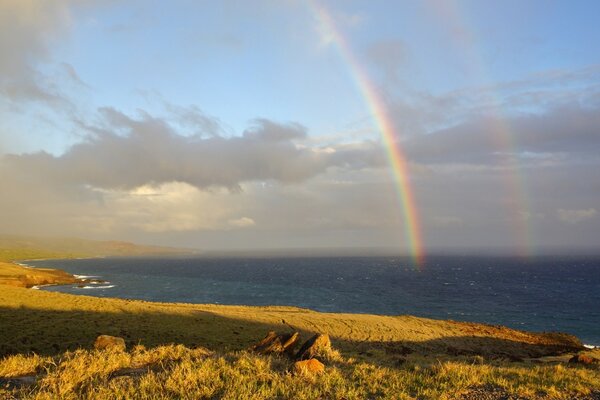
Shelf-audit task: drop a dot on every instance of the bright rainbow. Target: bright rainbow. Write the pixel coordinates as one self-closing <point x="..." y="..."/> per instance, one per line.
<point x="386" y="128"/>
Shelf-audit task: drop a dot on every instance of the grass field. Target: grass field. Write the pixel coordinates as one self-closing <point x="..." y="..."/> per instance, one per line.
<point x="200" y="351"/>
<point x="179" y="372"/>
<point x="50" y="335"/>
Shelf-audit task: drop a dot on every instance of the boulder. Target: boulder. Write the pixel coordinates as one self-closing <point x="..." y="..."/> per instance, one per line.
<point x="104" y="342"/>
<point x="582" y="359"/>
<point x="309" y="367"/>
<point x="17" y="382"/>
<point x="275" y="343"/>
<point x="317" y="346"/>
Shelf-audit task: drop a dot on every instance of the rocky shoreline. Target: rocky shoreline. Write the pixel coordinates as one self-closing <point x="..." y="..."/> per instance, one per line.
<point x="23" y="275"/>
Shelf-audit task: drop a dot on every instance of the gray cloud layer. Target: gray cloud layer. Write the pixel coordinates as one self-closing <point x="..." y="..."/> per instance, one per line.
<point x="567" y="130"/>
<point x="119" y="182"/>
<point x="126" y="153"/>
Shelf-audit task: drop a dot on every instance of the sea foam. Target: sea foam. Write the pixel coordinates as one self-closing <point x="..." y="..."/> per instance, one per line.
<point x="98" y="287"/>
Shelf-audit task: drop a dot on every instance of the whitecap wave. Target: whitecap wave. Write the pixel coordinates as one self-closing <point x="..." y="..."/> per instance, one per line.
<point x="86" y="276"/>
<point x="590" y="346"/>
<point x="98" y="287"/>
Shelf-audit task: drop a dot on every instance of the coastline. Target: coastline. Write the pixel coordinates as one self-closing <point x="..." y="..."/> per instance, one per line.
<point x="238" y="326"/>
<point x="420" y="355"/>
<point x="15" y="274"/>
<point x="355" y="285"/>
<point x="31" y="277"/>
<point x="19" y="273"/>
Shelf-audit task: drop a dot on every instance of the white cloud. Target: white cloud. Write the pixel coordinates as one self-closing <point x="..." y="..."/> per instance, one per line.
<point x="576" y="216"/>
<point x="243" y="222"/>
<point x="168" y="207"/>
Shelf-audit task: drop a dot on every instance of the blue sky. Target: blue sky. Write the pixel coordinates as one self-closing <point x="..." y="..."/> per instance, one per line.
<point x="75" y="73"/>
<point x="241" y="60"/>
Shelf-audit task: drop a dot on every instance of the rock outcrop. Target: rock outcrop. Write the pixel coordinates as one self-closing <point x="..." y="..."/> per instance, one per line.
<point x="582" y="359"/>
<point x="104" y="342"/>
<point x="275" y="343"/>
<point x="318" y="346"/>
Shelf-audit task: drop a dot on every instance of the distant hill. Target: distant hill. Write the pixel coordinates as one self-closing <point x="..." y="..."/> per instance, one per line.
<point x="24" y="247"/>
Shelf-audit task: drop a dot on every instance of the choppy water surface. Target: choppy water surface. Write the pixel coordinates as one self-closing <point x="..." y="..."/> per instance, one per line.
<point x="544" y="294"/>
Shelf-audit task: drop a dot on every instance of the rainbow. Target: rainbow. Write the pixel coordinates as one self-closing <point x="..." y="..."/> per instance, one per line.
<point x="515" y="180"/>
<point x="388" y="133"/>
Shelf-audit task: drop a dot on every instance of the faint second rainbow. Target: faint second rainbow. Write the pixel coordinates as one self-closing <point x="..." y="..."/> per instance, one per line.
<point x="503" y="137"/>
<point x="385" y="126"/>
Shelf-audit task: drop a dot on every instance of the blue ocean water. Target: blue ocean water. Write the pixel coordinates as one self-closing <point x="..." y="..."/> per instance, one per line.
<point x="541" y="294"/>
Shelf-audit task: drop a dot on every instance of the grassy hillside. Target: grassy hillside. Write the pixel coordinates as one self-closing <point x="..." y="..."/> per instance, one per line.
<point x="47" y="322"/>
<point x="380" y="356"/>
<point x="16" y="275"/>
<point x="25" y="248"/>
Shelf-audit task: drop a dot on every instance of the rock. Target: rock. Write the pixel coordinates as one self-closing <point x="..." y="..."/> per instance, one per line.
<point x="275" y="343"/>
<point x="109" y="342"/>
<point x="17" y="382"/>
<point x="309" y="367"/>
<point x="318" y="345"/>
<point x="582" y="359"/>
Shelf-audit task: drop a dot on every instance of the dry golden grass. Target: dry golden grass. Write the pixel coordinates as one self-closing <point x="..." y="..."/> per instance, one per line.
<point x="47" y="323"/>
<point x="16" y="275"/>
<point x="181" y="373"/>
<point x="379" y="357"/>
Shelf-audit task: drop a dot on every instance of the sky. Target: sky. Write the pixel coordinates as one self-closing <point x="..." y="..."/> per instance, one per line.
<point x="415" y="126"/>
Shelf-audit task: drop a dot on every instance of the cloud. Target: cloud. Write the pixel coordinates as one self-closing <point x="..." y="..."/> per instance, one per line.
<point x="419" y="112"/>
<point x="576" y="216"/>
<point x="566" y="131"/>
<point x="243" y="222"/>
<point x="169" y="207"/>
<point x="126" y="153"/>
<point x="26" y="28"/>
<point x="148" y="177"/>
<point x="194" y="118"/>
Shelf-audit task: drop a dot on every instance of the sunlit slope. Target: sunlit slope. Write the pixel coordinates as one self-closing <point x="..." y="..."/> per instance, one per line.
<point x="15" y="275"/>
<point x="47" y="322"/>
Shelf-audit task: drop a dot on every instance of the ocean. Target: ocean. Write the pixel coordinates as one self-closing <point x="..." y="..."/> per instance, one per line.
<point x="538" y="294"/>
